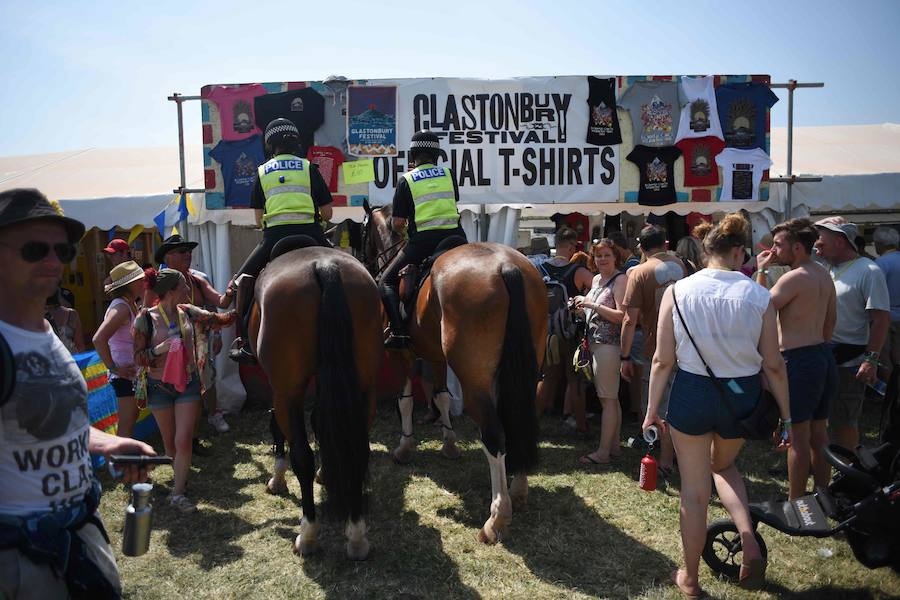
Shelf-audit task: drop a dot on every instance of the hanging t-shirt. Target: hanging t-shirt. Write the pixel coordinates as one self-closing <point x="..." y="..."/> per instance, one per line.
<point x="742" y="170"/>
<point x="304" y="108"/>
<point x="657" y="169"/>
<point x="329" y="160"/>
<point x="700" y="160"/>
<point x="333" y="131"/>
<point x="44" y="429"/>
<point x="235" y="105"/>
<point x="743" y="110"/>
<point x="699" y="117"/>
<point x="654" y="107"/>
<point x="239" y="161"/>
<point x="603" y="119"/>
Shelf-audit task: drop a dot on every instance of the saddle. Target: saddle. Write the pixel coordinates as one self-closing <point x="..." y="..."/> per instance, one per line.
<point x="412" y="276"/>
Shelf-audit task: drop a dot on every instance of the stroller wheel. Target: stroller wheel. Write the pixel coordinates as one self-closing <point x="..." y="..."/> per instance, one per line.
<point x="722" y="552"/>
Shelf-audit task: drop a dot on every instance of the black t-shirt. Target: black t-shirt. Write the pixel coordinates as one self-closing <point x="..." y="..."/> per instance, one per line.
<point x="403" y="205"/>
<point x="603" y="120"/>
<point x="320" y="194"/>
<point x="304" y="108"/>
<point x="657" y="169"/>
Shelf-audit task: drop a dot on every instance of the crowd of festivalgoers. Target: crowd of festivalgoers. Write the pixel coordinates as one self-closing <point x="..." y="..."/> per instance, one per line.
<point x="810" y="317"/>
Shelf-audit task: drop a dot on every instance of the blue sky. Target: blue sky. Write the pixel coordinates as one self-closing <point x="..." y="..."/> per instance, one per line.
<point x="96" y="74"/>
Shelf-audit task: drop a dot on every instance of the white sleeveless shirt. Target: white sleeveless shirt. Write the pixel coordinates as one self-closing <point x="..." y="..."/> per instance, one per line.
<point x="724" y="313"/>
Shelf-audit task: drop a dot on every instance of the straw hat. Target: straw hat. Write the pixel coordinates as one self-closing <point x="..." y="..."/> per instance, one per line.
<point x="123" y="274"/>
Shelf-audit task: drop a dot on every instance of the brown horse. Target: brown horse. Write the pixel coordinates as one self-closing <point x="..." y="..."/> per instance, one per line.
<point x="318" y="314"/>
<point x="483" y="312"/>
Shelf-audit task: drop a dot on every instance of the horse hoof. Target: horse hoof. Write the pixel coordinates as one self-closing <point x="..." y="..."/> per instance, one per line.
<point x="487" y="536"/>
<point x="402" y="456"/>
<point x="358" y="550"/>
<point x="450" y="450"/>
<point x="277" y="486"/>
<point x="302" y="548"/>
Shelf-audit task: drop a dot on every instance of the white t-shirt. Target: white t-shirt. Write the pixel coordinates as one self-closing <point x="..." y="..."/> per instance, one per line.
<point x="44" y="427"/>
<point x="742" y="170"/>
<point x="700" y="116"/>
<point x="860" y="286"/>
<point x="724" y="313"/>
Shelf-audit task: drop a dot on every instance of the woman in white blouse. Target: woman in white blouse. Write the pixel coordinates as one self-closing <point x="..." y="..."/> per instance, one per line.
<point x="733" y="323"/>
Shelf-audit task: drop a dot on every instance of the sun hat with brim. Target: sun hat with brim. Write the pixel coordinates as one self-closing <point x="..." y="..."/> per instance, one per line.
<point x="123" y="274"/>
<point x="848" y="230"/>
<point x="172" y="243"/>
<point x="21" y="205"/>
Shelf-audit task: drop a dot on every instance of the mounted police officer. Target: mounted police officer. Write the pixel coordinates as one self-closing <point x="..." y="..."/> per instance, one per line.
<point x="425" y="205"/>
<point x="290" y="197"/>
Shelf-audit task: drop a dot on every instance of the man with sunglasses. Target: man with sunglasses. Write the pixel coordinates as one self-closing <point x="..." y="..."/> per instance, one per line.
<point x="52" y="541"/>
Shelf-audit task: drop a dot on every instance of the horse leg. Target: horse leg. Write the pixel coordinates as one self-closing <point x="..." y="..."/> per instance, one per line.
<point x="492" y="442"/>
<point x="442" y="402"/>
<point x="402" y="454"/>
<point x="277" y="484"/>
<point x="304" y="467"/>
<point x="518" y="489"/>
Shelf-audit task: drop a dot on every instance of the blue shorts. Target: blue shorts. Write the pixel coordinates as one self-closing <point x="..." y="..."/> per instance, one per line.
<point x="696" y="406"/>
<point x="813" y="382"/>
<point x="163" y="395"/>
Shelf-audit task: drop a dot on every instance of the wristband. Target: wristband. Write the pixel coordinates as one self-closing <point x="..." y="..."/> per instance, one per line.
<point x="871" y="356"/>
<point x="786" y="423"/>
<point x="112" y="366"/>
<point x="625" y="358"/>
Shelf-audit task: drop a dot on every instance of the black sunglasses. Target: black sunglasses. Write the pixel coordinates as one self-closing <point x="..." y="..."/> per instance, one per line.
<point x="37" y="251"/>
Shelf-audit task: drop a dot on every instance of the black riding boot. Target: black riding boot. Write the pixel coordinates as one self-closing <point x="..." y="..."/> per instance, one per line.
<point x="397" y="336"/>
<point x="243" y="353"/>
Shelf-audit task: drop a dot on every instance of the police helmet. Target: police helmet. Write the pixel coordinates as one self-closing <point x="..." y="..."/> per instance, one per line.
<point x="281" y="133"/>
<point x="426" y="144"/>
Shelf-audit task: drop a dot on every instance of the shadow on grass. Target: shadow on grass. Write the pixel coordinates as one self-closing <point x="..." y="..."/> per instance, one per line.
<point x="820" y="593"/>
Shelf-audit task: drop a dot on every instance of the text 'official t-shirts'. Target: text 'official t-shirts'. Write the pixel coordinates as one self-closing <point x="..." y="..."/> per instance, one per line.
<point x="657" y="171"/>
<point x="654" y="107"/>
<point x="743" y="112"/>
<point x="742" y="171"/>
<point x="699" y="117"/>
<point x="44" y="427"/>
<point x="235" y="104"/>
<point x="239" y="161"/>
<point x="305" y="108"/>
<point x="603" y="119"/>
<point x="700" y="160"/>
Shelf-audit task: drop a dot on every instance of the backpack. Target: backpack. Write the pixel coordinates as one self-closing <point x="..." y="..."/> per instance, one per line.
<point x="560" y="320"/>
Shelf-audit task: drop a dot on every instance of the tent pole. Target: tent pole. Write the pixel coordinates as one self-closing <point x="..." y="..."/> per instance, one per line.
<point x="178" y="99"/>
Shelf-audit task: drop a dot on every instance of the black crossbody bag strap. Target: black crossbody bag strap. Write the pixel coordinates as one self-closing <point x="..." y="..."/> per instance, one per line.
<point x="716" y="380"/>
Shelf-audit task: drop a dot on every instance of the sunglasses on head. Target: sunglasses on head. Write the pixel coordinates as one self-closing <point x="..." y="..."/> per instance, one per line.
<point x="37" y="251"/>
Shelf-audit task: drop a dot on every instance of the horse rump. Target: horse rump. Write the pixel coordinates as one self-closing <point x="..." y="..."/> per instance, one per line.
<point x="517" y="376"/>
<point x="341" y="411"/>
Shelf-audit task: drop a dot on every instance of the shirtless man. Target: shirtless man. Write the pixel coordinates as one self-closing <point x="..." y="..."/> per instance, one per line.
<point x="805" y="300"/>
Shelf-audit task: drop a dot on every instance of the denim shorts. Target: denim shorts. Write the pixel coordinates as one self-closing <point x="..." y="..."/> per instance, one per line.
<point x="164" y="395"/>
<point x="696" y="406"/>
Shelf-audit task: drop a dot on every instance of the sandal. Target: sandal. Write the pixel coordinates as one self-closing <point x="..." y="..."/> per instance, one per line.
<point x="673" y="577"/>
<point x="589" y="461"/>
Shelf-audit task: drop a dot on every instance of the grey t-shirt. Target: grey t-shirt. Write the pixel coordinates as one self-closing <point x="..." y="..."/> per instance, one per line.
<point x="860" y="287"/>
<point x="655" y="108"/>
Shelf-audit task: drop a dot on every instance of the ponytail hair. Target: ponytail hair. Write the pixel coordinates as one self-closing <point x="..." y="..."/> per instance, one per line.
<point x="150" y="275"/>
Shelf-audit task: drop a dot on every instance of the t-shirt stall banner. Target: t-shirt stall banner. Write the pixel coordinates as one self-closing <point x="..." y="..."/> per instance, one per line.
<point x="650" y="140"/>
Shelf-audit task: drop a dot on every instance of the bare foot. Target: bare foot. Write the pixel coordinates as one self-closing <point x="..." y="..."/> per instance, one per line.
<point x="688" y="588"/>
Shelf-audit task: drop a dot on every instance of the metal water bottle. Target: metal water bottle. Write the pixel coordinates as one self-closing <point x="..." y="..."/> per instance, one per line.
<point x="138" y="515"/>
<point x="648" y="472"/>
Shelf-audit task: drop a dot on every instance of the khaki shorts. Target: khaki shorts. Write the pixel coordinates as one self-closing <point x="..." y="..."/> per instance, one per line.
<point x="22" y="579"/>
<point x="848" y="405"/>
<point x="606" y="363"/>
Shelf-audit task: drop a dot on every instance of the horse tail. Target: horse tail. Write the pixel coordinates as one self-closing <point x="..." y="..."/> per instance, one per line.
<point x="517" y="377"/>
<point x="341" y="411"/>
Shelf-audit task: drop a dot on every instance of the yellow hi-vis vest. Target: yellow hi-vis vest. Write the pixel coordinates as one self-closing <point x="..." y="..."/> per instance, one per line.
<point x="432" y="193"/>
<point x="286" y="184"/>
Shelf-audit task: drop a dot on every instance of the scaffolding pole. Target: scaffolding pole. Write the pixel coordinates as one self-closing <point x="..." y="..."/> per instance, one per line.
<point x="789" y="178"/>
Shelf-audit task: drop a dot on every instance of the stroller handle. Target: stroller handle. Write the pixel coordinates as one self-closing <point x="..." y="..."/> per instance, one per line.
<point x="842" y="460"/>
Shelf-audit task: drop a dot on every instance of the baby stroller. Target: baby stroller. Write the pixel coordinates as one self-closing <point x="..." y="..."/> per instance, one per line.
<point x="863" y="500"/>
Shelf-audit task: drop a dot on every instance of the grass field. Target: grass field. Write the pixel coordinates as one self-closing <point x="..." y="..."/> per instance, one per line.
<point x="583" y="533"/>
